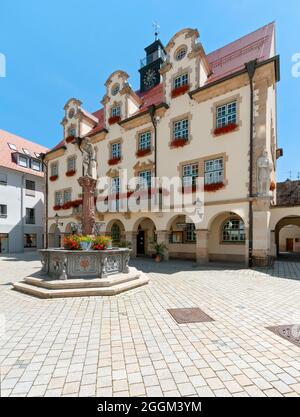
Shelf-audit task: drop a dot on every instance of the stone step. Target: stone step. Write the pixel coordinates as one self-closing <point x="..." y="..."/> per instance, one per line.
<point x="83" y="283"/>
<point x="41" y="292"/>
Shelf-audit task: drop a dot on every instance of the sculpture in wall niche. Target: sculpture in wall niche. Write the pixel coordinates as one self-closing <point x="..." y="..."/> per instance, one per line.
<point x="264" y="168"/>
<point x="89" y="158"/>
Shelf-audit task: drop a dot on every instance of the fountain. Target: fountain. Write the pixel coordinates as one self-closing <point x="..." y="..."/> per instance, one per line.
<point x="91" y="272"/>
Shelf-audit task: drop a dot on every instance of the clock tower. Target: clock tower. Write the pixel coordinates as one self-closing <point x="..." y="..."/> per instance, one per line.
<point x="151" y="64"/>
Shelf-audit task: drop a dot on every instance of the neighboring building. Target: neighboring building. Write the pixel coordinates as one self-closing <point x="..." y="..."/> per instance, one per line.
<point x="197" y="106"/>
<point x="21" y="194"/>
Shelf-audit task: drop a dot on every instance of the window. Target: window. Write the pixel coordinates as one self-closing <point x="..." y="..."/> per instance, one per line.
<point x="54" y="169"/>
<point x="145" y="140"/>
<point x="36" y="165"/>
<point x="67" y="195"/>
<point x="115" y="233"/>
<point x="30" y="216"/>
<point x="226" y="114"/>
<point x="29" y="240"/>
<point x="190" y="233"/>
<point x="26" y="151"/>
<point x="12" y="146"/>
<point x="183" y="79"/>
<point x="71" y="163"/>
<point x="116" y="150"/>
<point x="181" y="53"/>
<point x="72" y="131"/>
<point x="189" y="174"/>
<point x="30" y="185"/>
<point x="181" y="129"/>
<point x="3" y="179"/>
<point x="38" y="155"/>
<point x="23" y="161"/>
<point x="233" y="231"/>
<point x="3" y="211"/>
<point x="115" y="185"/>
<point x="115" y="89"/>
<point x="145" y="179"/>
<point x="116" y="111"/>
<point x="213" y="171"/>
<point x="57" y="198"/>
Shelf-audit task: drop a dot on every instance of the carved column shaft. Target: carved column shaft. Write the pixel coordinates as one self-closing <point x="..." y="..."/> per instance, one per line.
<point x="88" y="185"/>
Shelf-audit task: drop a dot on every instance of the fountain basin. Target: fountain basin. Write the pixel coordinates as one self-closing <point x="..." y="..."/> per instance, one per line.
<point x="70" y="264"/>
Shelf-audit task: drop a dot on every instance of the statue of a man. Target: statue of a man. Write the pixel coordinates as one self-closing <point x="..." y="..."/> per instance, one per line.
<point x="89" y="159"/>
<point x="264" y="167"/>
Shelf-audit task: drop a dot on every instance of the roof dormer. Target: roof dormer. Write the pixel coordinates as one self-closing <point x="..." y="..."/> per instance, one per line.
<point x="77" y="121"/>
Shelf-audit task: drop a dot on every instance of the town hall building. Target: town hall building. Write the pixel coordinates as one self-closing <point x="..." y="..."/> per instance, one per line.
<point x="194" y="115"/>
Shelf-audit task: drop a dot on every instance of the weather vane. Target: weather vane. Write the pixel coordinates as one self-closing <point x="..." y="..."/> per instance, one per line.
<point x="156" y="29"/>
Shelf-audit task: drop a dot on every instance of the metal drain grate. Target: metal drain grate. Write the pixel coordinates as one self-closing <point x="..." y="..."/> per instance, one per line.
<point x="290" y="332"/>
<point x="189" y="315"/>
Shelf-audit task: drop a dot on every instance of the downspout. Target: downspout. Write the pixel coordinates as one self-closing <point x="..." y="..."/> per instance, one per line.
<point x="22" y="209"/>
<point x="46" y="240"/>
<point x="251" y="66"/>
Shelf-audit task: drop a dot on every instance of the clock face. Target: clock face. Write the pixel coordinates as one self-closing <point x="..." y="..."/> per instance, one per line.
<point x="150" y="78"/>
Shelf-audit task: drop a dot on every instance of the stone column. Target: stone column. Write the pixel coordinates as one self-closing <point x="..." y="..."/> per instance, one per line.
<point x="131" y="237"/>
<point x="202" y="246"/>
<point x="163" y="237"/>
<point x="261" y="231"/>
<point x="273" y="244"/>
<point x="88" y="185"/>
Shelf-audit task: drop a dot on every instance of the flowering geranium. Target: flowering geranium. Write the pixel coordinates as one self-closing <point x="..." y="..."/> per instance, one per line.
<point x="114" y="119"/>
<point x="101" y="242"/>
<point x="72" y="242"/>
<point x="225" y="129"/>
<point x="272" y="186"/>
<point x="214" y="187"/>
<point x="53" y="177"/>
<point x="142" y="152"/>
<point x="70" y="173"/>
<point x="70" y="138"/>
<point x="57" y="207"/>
<point x="114" y="161"/>
<point x="178" y="91"/>
<point x="178" y="142"/>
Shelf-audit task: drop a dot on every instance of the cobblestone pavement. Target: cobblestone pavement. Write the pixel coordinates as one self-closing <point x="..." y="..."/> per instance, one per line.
<point x="130" y="345"/>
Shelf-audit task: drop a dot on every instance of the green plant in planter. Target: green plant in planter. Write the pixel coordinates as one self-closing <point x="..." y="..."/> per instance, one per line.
<point x="85" y="242"/>
<point x="159" y="250"/>
<point x="86" y="238"/>
<point x="101" y="242"/>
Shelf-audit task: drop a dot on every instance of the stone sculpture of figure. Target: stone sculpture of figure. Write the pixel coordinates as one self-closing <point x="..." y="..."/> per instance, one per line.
<point x="89" y="159"/>
<point x="264" y="167"/>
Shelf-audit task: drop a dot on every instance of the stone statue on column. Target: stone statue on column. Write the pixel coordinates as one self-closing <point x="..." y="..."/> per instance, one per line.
<point x="89" y="159"/>
<point x="88" y="183"/>
<point x="264" y="169"/>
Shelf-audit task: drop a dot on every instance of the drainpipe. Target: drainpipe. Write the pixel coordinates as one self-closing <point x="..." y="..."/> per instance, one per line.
<point x="250" y="67"/>
<point x="46" y="240"/>
<point x="22" y="209"/>
<point x="152" y="110"/>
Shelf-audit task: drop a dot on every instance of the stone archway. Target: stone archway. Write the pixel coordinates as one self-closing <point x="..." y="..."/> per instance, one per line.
<point x="227" y="238"/>
<point x="54" y="236"/>
<point x="182" y="238"/>
<point x="145" y="231"/>
<point x="116" y="229"/>
<point x="287" y="236"/>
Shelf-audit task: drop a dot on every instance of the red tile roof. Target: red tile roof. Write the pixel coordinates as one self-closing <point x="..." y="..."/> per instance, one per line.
<point x="6" y="159"/>
<point x="225" y="61"/>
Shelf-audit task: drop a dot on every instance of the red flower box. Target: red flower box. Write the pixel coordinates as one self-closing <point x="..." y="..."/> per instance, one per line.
<point x="77" y="203"/>
<point x="179" y="90"/>
<point x="114" y="161"/>
<point x="70" y="173"/>
<point x="70" y="138"/>
<point x="272" y="186"/>
<point x="178" y="142"/>
<point x="214" y="187"/>
<point x="72" y="242"/>
<point x="143" y="152"/>
<point x="53" y="177"/>
<point x="114" y="119"/>
<point x="57" y="207"/>
<point x="67" y="205"/>
<point x="225" y="129"/>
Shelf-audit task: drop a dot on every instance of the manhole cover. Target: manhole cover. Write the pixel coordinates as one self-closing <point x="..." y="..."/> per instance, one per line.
<point x="189" y="315"/>
<point x="290" y="332"/>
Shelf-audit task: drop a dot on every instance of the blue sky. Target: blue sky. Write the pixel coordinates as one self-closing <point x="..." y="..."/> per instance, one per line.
<point x="61" y="49"/>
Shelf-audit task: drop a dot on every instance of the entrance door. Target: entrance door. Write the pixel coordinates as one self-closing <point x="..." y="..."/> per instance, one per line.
<point x="290" y="245"/>
<point x="4" y="243"/>
<point x="140" y="249"/>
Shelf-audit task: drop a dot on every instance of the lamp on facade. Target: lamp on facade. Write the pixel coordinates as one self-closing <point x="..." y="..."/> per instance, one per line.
<point x="57" y="220"/>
